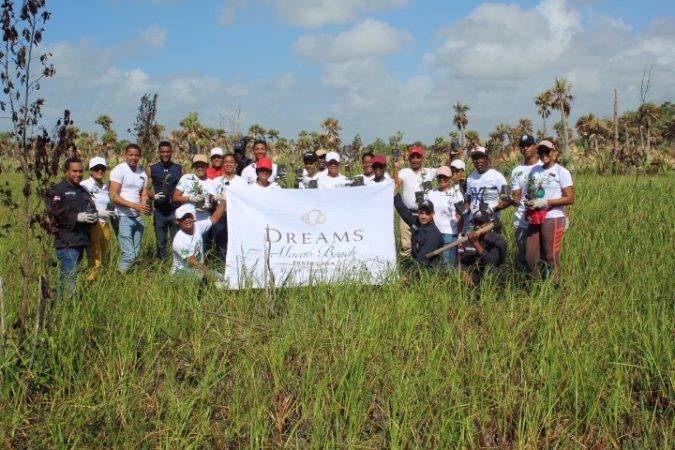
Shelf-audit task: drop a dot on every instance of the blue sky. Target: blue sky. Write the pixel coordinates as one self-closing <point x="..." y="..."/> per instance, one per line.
<point x="377" y="65"/>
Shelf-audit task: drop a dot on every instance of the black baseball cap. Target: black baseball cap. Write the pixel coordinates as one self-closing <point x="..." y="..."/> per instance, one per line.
<point x="426" y="206"/>
<point x="309" y="157"/>
<point x="526" y="140"/>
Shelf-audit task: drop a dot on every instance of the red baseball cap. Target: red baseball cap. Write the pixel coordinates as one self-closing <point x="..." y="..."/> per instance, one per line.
<point x="379" y="159"/>
<point x="417" y="150"/>
<point x="263" y="163"/>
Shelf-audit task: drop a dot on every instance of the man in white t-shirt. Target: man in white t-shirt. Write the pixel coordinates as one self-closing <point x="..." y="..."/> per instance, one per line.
<point x="519" y="177"/>
<point x="129" y="192"/>
<point x="485" y="185"/>
<point x="99" y="234"/>
<point x="416" y="180"/>
<point x="188" y="244"/>
<point x="333" y="178"/>
<point x="259" y="151"/>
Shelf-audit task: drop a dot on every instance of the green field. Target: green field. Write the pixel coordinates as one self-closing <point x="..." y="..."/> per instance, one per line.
<point x="141" y="361"/>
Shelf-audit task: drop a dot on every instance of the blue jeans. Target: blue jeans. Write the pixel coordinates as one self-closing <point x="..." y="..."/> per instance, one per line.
<point x="69" y="259"/>
<point x="166" y="227"/>
<point x="449" y="256"/>
<point x="129" y="236"/>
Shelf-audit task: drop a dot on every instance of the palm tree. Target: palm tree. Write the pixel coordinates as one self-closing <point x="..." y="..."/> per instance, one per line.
<point x="561" y="99"/>
<point x="192" y="132"/>
<point x="109" y="137"/>
<point x="543" y="104"/>
<point x="331" y="133"/>
<point x="525" y="126"/>
<point x="273" y="134"/>
<point x="256" y="131"/>
<point x="585" y="127"/>
<point x="497" y="138"/>
<point x="648" y="114"/>
<point x="357" y="144"/>
<point x="460" y="120"/>
<point x="473" y="138"/>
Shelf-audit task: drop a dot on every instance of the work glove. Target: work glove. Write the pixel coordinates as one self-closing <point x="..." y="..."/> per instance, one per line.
<point x="87" y="217"/>
<point x="105" y="214"/>
<point x="537" y="203"/>
<point x="160" y="197"/>
<point x="197" y="199"/>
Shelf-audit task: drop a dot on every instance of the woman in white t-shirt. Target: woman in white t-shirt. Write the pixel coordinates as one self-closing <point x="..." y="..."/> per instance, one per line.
<point x="446" y="218"/>
<point x="549" y="190"/>
<point x="263" y="174"/>
<point x="188" y="244"/>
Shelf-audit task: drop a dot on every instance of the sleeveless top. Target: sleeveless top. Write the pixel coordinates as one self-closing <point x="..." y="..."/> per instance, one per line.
<point x="164" y="180"/>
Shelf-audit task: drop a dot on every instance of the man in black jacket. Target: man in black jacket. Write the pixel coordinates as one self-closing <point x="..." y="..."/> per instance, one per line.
<point x="486" y="253"/>
<point x="425" y="235"/>
<point x="72" y="212"/>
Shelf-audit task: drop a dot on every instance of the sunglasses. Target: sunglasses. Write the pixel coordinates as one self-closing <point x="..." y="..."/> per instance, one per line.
<point x="378" y="166"/>
<point x="333" y="163"/>
<point x="543" y="151"/>
<point x="98" y="169"/>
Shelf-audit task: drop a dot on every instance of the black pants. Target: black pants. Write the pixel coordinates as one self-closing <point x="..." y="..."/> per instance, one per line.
<point x="165" y="229"/>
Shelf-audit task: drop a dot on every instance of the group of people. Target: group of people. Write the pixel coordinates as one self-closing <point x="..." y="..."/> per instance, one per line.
<point x="188" y="208"/>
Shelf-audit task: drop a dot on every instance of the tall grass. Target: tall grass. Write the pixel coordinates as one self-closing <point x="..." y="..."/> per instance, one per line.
<point x="140" y="360"/>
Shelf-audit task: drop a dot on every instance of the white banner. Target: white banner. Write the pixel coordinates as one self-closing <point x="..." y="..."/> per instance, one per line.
<point x="291" y="237"/>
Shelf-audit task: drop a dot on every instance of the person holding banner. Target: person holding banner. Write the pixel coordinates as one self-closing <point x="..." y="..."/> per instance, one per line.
<point x="367" y="167"/>
<point x="219" y="185"/>
<point x="425" y="235"/>
<point x="264" y="170"/>
<point x="311" y="174"/>
<point x="188" y="244"/>
<point x="250" y="174"/>
<point x="444" y="199"/>
<point x="333" y="178"/>
<point x="378" y="164"/>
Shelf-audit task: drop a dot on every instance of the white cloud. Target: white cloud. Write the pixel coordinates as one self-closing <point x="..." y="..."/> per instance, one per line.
<point x="155" y="36"/>
<point x="316" y="13"/>
<point x="500" y="40"/>
<point x="368" y="38"/>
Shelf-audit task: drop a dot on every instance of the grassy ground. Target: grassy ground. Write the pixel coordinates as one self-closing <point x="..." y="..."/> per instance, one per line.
<point x="140" y="361"/>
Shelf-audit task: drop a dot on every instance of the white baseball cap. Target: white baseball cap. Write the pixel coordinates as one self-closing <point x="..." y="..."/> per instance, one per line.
<point x="184" y="210"/>
<point x="332" y="156"/>
<point x="97" y="161"/>
<point x="458" y="164"/>
<point x="217" y="151"/>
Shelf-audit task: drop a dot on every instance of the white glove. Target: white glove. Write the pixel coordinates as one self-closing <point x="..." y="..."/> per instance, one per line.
<point x="159" y="196"/>
<point x="197" y="199"/>
<point x="87" y="217"/>
<point x="537" y="203"/>
<point x="105" y="214"/>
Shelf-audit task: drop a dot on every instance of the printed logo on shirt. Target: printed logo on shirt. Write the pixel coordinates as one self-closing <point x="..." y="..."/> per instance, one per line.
<point x="56" y="198"/>
<point x="70" y="193"/>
